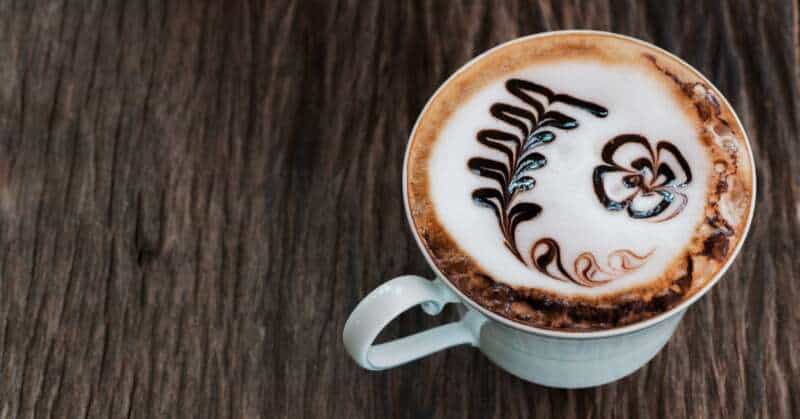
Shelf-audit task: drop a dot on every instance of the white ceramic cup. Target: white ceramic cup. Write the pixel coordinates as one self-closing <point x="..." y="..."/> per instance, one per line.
<point x="547" y="357"/>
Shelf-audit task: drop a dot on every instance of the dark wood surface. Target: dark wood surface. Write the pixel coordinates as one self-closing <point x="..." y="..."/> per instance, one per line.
<point x="195" y="194"/>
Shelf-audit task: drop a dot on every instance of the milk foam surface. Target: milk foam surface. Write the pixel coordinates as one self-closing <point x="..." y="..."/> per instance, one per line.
<point x="571" y="212"/>
<point x="579" y="181"/>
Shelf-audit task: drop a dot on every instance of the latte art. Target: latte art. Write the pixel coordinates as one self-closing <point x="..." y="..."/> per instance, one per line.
<point x="651" y="182"/>
<point x="578" y="181"/>
<point x="546" y="257"/>
<point x="535" y="128"/>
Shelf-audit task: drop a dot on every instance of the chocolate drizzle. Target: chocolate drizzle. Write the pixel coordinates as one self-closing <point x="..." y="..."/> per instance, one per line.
<point x="546" y="258"/>
<point x="534" y="126"/>
<point x="652" y="182"/>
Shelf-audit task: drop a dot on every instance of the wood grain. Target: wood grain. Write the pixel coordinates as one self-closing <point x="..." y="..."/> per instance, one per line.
<point x="195" y="194"/>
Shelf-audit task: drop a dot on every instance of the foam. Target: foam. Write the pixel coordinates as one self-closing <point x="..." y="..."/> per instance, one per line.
<point x="572" y="214"/>
<point x="618" y="266"/>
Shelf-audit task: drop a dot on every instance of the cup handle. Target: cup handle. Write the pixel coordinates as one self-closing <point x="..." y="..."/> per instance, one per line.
<point x="388" y="301"/>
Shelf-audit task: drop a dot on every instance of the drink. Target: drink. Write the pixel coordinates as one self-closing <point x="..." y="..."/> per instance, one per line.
<point x="579" y="181"/>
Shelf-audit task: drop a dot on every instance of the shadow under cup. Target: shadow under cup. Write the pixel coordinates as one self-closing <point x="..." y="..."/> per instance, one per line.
<point x="547" y="356"/>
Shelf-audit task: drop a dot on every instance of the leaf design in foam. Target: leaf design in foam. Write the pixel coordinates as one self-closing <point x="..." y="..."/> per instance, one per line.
<point x="528" y="127"/>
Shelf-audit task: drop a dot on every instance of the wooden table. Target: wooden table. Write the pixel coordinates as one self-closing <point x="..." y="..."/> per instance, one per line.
<point x="195" y="194"/>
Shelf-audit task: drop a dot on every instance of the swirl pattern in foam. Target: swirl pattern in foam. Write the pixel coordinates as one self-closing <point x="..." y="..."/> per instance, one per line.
<point x="579" y="181"/>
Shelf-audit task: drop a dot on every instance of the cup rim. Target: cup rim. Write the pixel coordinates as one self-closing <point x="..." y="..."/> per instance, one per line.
<point x="593" y="333"/>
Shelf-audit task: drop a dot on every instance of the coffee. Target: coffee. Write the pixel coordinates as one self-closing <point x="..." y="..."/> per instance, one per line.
<point x="579" y="181"/>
